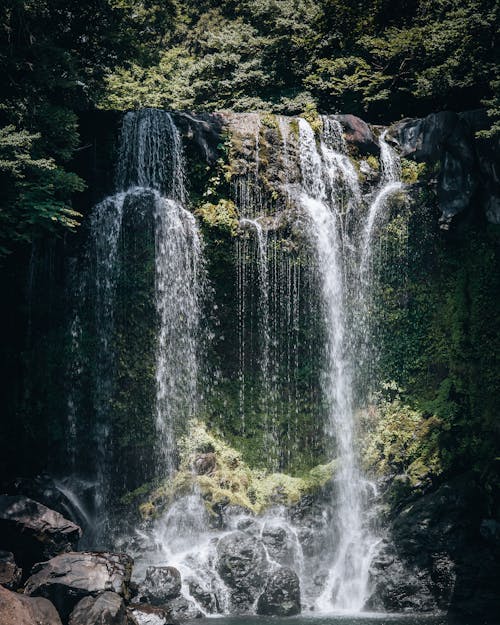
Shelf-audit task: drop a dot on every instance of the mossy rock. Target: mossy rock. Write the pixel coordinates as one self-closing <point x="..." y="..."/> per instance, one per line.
<point x="231" y="481"/>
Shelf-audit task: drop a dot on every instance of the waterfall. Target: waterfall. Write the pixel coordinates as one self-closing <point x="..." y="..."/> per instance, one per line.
<point x="390" y="184"/>
<point x="330" y="194"/>
<point x="268" y="392"/>
<point x="150" y="197"/>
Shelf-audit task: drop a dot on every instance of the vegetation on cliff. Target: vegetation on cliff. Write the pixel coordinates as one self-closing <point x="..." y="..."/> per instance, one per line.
<point x="384" y="60"/>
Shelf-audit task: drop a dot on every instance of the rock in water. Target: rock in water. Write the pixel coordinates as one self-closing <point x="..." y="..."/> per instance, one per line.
<point x="152" y="615"/>
<point x="16" y="609"/>
<point x="281" y="596"/>
<point x="105" y="609"/>
<point x="204" y="596"/>
<point x="69" y="577"/>
<point x="243" y="566"/>
<point x="34" y="532"/>
<point x="279" y="544"/>
<point x="161" y="584"/>
<point x="10" y="573"/>
<point x="181" y="609"/>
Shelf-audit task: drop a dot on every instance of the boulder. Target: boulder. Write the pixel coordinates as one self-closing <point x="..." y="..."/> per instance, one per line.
<point x="281" y="596"/>
<point x="161" y="584"/>
<point x="16" y="609"/>
<point x="243" y="566"/>
<point x="151" y="615"/>
<point x="279" y="544"/>
<point x="107" y="608"/>
<point x="358" y="133"/>
<point x="468" y="175"/>
<point x="54" y="495"/>
<point x="181" y="609"/>
<point x="399" y="586"/>
<point x="10" y="573"/>
<point x="437" y="556"/>
<point x="204" y="596"/>
<point x="205" y="464"/>
<point x="34" y="532"/>
<point x="69" y="577"/>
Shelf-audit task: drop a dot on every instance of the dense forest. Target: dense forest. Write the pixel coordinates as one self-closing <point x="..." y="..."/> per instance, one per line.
<point x="384" y="60"/>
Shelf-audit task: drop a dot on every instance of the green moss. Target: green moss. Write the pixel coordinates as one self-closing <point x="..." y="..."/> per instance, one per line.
<point x="411" y="171"/>
<point x="402" y="439"/>
<point x="231" y="481"/>
<point x="269" y="120"/>
<point x="222" y="215"/>
<point x="311" y="115"/>
<point x="373" y="162"/>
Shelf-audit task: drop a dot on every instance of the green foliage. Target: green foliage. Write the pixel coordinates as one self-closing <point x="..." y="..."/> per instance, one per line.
<point x="35" y="193"/>
<point x="230" y="480"/>
<point x="439" y="335"/>
<point x="411" y="171"/>
<point x="222" y="215"/>
<point x="401" y="439"/>
<point x="283" y="55"/>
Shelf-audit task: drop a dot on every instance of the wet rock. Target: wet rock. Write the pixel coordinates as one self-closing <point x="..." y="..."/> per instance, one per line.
<point x="151" y="615"/>
<point x="204" y="596"/>
<point x="248" y="525"/>
<point x="399" y="586"/>
<point x="69" y="577"/>
<point x="467" y="174"/>
<point x="281" y="596"/>
<point x="51" y="493"/>
<point x="33" y="532"/>
<point x="181" y="609"/>
<point x="16" y="609"/>
<point x="490" y="531"/>
<point x="358" y="133"/>
<point x="161" y="584"/>
<point x="279" y="544"/>
<point x="242" y="564"/>
<point x="105" y="609"/>
<point x="10" y="573"/>
<point x="205" y="464"/>
<point x="437" y="556"/>
<point x="202" y="131"/>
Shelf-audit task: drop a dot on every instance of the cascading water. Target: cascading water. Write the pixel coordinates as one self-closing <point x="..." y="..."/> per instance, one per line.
<point x="336" y="239"/>
<point x="150" y="181"/>
<point x="332" y="548"/>
<point x="268" y="391"/>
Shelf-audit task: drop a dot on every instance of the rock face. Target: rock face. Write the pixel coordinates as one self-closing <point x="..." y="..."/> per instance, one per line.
<point x="437" y="557"/>
<point x="33" y="532"/>
<point x="105" y="609"/>
<point x="16" y="609"/>
<point x="467" y="170"/>
<point x="243" y="566"/>
<point x="161" y="584"/>
<point x="205" y="464"/>
<point x="69" y="577"/>
<point x="281" y="596"/>
<point x="10" y="573"/>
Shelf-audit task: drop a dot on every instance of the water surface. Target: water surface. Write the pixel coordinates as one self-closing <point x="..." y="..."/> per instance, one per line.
<point x="365" y="619"/>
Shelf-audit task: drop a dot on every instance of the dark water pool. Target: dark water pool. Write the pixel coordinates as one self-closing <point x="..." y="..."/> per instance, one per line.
<point x="366" y="619"/>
